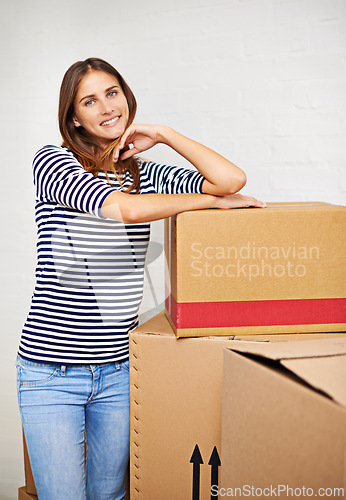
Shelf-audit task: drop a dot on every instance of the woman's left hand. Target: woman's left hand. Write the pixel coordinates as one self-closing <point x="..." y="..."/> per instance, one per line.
<point x="142" y="137"/>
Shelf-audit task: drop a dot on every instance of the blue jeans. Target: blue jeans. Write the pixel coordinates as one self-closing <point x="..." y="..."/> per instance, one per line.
<point x="58" y="405"/>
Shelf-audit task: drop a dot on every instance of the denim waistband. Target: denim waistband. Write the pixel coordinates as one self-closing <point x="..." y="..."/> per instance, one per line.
<point x="29" y="362"/>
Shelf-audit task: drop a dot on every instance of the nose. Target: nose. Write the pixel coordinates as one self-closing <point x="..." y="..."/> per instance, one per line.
<point x="106" y="107"/>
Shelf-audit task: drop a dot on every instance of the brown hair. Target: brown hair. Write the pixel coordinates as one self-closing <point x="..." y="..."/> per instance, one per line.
<point x="78" y="140"/>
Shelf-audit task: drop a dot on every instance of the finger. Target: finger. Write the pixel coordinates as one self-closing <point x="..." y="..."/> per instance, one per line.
<point x="124" y="140"/>
<point x="258" y="204"/>
<point x="116" y="154"/>
<point x="129" y="153"/>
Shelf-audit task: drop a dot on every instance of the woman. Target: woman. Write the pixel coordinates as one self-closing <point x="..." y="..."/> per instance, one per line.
<point x="93" y="233"/>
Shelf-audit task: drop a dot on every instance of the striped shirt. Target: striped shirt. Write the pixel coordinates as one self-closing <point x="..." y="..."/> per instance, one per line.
<point x="90" y="269"/>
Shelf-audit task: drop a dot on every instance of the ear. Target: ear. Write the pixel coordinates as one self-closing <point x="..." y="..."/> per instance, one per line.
<point x="76" y="122"/>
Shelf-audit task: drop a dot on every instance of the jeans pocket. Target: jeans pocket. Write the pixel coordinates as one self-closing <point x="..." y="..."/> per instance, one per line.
<point x="36" y="375"/>
<point x="125" y="365"/>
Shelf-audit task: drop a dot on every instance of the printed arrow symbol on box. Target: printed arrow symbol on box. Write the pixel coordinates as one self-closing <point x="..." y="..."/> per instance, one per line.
<point x="196" y="460"/>
<point x="215" y="464"/>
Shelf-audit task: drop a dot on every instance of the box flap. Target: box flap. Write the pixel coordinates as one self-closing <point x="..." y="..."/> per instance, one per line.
<point x="294" y="349"/>
<point x="327" y="374"/>
<point x="320" y="363"/>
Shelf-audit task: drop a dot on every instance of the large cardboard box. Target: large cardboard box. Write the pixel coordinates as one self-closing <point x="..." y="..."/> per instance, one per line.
<point x="23" y="495"/>
<point x="280" y="269"/>
<point x="176" y="402"/>
<point x="29" y="479"/>
<point x="284" y="419"/>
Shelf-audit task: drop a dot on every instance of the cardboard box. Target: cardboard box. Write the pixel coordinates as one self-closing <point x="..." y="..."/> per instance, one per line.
<point x="23" y="495"/>
<point x="29" y="479"/>
<point x="250" y="271"/>
<point x="176" y="401"/>
<point x="284" y="419"/>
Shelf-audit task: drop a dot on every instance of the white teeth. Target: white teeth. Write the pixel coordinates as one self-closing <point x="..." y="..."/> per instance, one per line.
<point x="109" y="122"/>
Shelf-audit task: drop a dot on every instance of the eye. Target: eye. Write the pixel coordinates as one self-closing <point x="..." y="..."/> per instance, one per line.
<point x="112" y="93"/>
<point x="89" y="103"/>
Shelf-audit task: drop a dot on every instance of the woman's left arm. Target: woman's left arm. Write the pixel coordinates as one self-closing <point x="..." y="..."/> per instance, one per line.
<point x="222" y="177"/>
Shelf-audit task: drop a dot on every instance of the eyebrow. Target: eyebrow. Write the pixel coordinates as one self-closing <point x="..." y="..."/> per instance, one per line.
<point x="93" y="95"/>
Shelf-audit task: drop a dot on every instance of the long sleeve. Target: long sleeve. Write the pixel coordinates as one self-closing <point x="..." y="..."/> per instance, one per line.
<point x="172" y="179"/>
<point x="61" y="179"/>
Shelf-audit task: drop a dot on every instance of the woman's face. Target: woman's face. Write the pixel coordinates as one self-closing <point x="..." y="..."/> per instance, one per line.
<point x="100" y="107"/>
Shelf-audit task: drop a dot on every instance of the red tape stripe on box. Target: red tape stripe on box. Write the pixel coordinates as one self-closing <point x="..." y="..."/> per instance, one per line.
<point x="257" y="313"/>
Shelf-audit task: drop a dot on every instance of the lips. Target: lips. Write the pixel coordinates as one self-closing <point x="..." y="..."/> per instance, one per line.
<point x="110" y="122"/>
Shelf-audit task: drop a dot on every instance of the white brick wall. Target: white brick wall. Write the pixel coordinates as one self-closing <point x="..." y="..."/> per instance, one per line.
<point x="261" y="81"/>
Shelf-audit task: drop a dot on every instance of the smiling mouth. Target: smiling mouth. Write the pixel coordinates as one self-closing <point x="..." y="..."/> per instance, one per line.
<point x="110" y="122"/>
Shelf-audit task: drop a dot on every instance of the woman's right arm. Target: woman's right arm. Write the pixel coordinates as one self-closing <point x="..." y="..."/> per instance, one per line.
<point x="61" y="179"/>
<point x="134" y="209"/>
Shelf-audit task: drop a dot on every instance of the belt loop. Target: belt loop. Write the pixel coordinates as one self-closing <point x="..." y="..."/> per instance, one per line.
<point x="63" y="370"/>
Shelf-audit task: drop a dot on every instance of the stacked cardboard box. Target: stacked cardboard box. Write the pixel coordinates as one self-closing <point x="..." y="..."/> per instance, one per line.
<point x="274" y="270"/>
<point x="240" y="280"/>
<point x="23" y="495"/>
<point x="176" y="408"/>
<point x="244" y="277"/>
<point x="284" y="419"/>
